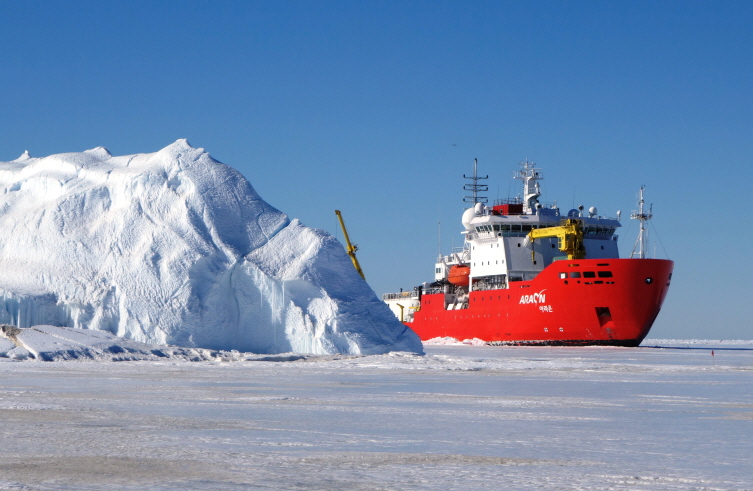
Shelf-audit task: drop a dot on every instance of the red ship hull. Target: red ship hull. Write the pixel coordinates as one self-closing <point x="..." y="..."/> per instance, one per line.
<point x="617" y="306"/>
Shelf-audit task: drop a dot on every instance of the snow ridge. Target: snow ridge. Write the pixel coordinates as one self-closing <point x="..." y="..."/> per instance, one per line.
<point x="175" y="247"/>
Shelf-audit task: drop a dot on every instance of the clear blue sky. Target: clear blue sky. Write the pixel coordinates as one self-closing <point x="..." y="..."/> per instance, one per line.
<point x="378" y="108"/>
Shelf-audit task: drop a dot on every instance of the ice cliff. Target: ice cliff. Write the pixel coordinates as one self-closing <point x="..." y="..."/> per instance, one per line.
<point x="176" y="248"/>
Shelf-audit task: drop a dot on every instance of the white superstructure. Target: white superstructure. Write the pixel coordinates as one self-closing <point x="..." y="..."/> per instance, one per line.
<point x="496" y="246"/>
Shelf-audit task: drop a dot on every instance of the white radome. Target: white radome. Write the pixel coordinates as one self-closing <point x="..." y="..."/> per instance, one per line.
<point x="468" y="215"/>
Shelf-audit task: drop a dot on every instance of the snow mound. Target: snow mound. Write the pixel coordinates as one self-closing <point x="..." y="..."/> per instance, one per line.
<point x="52" y="343"/>
<point x="176" y="248"/>
<point x="450" y="341"/>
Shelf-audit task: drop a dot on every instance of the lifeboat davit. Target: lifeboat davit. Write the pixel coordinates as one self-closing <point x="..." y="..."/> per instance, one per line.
<point x="459" y="275"/>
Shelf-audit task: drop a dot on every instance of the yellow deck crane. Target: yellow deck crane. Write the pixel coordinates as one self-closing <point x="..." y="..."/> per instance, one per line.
<point x="570" y="235"/>
<point x="351" y="248"/>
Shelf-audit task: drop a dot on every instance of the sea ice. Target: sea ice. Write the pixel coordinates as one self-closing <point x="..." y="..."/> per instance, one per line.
<point x="459" y="418"/>
<point x="176" y="248"/>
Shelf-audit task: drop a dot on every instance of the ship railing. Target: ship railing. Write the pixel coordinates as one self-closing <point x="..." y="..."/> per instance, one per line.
<point x="458" y="256"/>
<point x="508" y="201"/>
<point x="398" y="296"/>
<point x="493" y="282"/>
<point x="486" y="237"/>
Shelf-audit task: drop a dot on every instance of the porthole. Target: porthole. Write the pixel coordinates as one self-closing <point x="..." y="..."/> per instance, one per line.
<point x="649" y="280"/>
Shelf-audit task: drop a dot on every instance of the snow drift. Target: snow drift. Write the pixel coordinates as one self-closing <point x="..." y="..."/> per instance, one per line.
<point x="51" y="343"/>
<point x="176" y="248"/>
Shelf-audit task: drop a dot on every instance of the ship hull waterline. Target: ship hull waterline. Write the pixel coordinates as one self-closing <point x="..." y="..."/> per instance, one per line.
<point x="556" y="308"/>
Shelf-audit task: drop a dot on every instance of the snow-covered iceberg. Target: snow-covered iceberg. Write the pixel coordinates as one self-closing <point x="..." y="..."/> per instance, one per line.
<point x="176" y="248"/>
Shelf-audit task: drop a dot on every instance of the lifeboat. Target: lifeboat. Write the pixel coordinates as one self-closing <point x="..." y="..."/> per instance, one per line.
<point x="459" y="275"/>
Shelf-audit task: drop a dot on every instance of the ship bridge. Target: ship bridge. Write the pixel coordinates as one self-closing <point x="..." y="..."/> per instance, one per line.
<point x="497" y="248"/>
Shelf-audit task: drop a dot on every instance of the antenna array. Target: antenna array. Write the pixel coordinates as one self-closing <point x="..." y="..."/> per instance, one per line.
<point x="475" y="187"/>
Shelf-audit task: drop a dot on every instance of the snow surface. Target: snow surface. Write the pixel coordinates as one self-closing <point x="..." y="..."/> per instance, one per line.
<point x="699" y="343"/>
<point x="54" y="343"/>
<point x="458" y="418"/>
<point x="176" y="248"/>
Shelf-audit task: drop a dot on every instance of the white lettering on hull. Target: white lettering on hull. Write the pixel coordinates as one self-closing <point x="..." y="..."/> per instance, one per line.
<point x="536" y="298"/>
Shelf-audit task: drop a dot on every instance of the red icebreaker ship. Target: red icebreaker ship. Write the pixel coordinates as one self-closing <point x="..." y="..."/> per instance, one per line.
<point x="528" y="276"/>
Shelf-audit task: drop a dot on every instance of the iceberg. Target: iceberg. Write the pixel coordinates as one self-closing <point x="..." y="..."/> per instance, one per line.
<point x="176" y="248"/>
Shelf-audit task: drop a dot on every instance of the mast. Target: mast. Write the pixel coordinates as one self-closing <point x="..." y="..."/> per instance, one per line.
<point x="639" y="249"/>
<point x="530" y="175"/>
<point x="475" y="187"/>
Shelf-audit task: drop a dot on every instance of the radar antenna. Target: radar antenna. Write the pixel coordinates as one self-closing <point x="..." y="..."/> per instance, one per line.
<point x="639" y="249"/>
<point x="475" y="187"/>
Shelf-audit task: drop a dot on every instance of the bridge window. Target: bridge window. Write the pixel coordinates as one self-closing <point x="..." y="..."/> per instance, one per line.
<point x="589" y="274"/>
<point x="575" y="274"/>
<point x="605" y="274"/>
